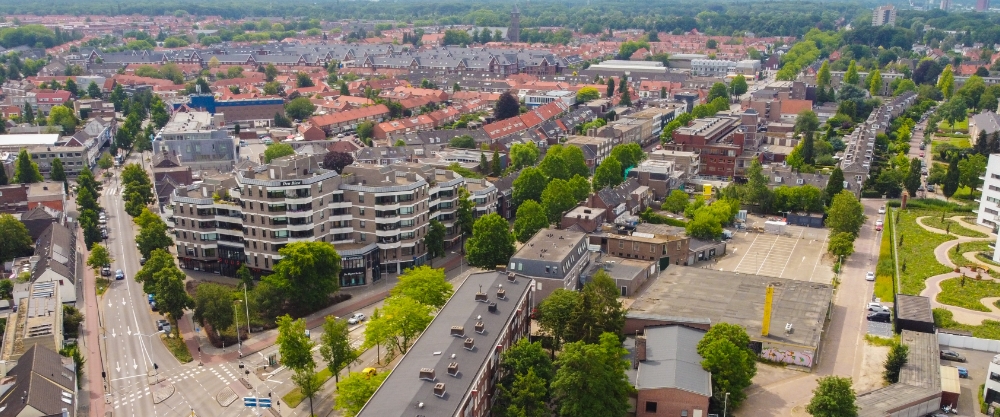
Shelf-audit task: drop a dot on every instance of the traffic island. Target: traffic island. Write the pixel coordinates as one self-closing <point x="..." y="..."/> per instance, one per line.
<point x="226" y="397"/>
<point x="163" y="392"/>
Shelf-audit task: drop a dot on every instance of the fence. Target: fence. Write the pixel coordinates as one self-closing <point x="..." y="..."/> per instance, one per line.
<point x="969" y="342"/>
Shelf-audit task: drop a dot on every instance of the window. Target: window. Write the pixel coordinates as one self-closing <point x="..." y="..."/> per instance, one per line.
<point x="361" y="211"/>
<point x="621" y="244"/>
<point x="650" y="406"/>
<point x="652" y="248"/>
<point x="361" y="197"/>
<point x="635" y="246"/>
<point x="361" y="223"/>
<point x="995" y="376"/>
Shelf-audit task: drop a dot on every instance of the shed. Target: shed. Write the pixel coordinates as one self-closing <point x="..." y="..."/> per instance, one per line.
<point x="951" y="388"/>
<point x="775" y="227"/>
<point x="913" y="313"/>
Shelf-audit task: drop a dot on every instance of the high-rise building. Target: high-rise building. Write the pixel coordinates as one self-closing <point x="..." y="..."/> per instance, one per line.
<point x="945" y="4"/>
<point x="514" y="31"/>
<point x="884" y="16"/>
<point x="982" y="5"/>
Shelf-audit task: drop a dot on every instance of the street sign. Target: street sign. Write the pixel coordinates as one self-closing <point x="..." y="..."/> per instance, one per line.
<point x="264" y="402"/>
<point x="250" y="401"/>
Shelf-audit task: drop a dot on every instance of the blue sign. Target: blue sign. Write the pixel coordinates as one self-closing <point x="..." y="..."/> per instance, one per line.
<point x="250" y="401"/>
<point x="264" y="402"/>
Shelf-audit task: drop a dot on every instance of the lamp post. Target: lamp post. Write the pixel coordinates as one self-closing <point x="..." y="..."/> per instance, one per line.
<point x="725" y="408"/>
<point x="156" y="368"/>
<point x="237" y="322"/>
<point x="461" y="263"/>
<point x="246" y="303"/>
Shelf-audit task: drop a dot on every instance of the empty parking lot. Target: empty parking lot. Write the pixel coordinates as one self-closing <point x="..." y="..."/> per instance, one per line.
<point x="796" y="254"/>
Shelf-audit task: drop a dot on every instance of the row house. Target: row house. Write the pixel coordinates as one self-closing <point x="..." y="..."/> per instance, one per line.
<point x="348" y="120"/>
<point x="400" y="126"/>
<point x="595" y="149"/>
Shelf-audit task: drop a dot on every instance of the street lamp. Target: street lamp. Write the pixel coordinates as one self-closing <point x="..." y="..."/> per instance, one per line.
<point x="237" y="322"/>
<point x="725" y="408"/>
<point x="461" y="263"/>
<point x="156" y="368"/>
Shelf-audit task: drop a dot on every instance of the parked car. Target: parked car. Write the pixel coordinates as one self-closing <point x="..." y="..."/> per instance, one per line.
<point x="881" y="210"/>
<point x="930" y="187"/>
<point x="962" y="372"/>
<point x="878" y="225"/>
<point x="142" y="260"/>
<point x="106" y="270"/>
<point x="162" y="324"/>
<point x="880" y="316"/>
<point x="356" y="318"/>
<point x="119" y="275"/>
<point x="951" y="355"/>
<point x="876" y="307"/>
<point x="870" y="276"/>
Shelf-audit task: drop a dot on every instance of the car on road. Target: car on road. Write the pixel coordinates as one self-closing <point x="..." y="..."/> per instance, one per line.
<point x="962" y="372"/>
<point x="921" y="154"/>
<point x="119" y="275"/>
<point x="880" y="316"/>
<point x="881" y="210"/>
<point x="951" y="355"/>
<point x="163" y="325"/>
<point x="870" y="276"/>
<point x="878" y="225"/>
<point x="876" y="307"/>
<point x="142" y="260"/>
<point x="930" y="187"/>
<point x="356" y="318"/>
<point x="106" y="270"/>
<point x="102" y="220"/>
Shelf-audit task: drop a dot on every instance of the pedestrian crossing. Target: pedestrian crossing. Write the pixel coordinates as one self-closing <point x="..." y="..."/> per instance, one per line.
<point x="127" y="401"/>
<point x="185" y="375"/>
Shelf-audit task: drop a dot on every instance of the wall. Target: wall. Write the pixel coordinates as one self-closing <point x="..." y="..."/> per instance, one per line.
<point x="671" y="402"/>
<point x="793" y="355"/>
<point x="634" y="325"/>
<point x="969" y="342"/>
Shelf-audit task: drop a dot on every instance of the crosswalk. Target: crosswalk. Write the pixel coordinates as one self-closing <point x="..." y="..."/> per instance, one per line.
<point x="126" y="401"/>
<point x="222" y="372"/>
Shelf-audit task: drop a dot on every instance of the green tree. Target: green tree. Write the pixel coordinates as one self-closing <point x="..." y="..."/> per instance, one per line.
<point x="105" y="161"/>
<point x="276" y="151"/>
<point x="586" y="94"/>
<point x="585" y="369"/>
<point x="851" y="76"/>
<point x="526" y="397"/>
<point x="611" y="87"/>
<point x="344" y="90"/>
<point x="93" y="90"/>
<point x="99" y="256"/>
<point x="28" y="115"/>
<point x="835" y="184"/>
<point x="579" y="187"/>
<point x="556" y="315"/>
<point x="435" y="240"/>
<point x="755" y="192"/>
<point x="841" y="244"/>
<point x="63" y="116"/>
<point x="309" y="384"/>
<point x="16" y="242"/>
<point x="495" y="165"/>
<point x="308" y="273"/>
<point x="302" y="80"/>
<point x="676" y="202"/>
<point x="58" y="173"/>
<point x="951" y="179"/>
<point x="355" y="391"/>
<point x="26" y="171"/>
<point x="213" y="304"/>
<point x="833" y="397"/>
<point x="628" y="155"/>
<point x="294" y="346"/>
<point x="424" y="284"/>
<point x="946" y="82"/>
<point x="557" y="198"/>
<point x="399" y="323"/>
<point x="529" y="185"/>
<point x="491" y="243"/>
<point x="875" y="83"/>
<point x="806" y="121"/>
<point x="599" y="311"/>
<point x="739" y="85"/>
<point x="718" y="90"/>
<point x="270" y="72"/>
<point x="507" y="106"/>
<point x="300" y="108"/>
<point x="823" y="76"/>
<point x="970" y="169"/>
<point x="530" y="218"/>
<point x="523" y="154"/>
<point x="608" y="174"/>
<point x="894" y="362"/>
<point x="171" y="297"/>
<point x="807" y="150"/>
<point x="335" y="346"/>
<point x="462" y="141"/>
<point x="366" y="130"/>
<point x="523" y="356"/>
<point x="912" y="181"/>
<point x="152" y="237"/>
<point x="846" y="214"/>
<point x="704" y="225"/>
<point x="246" y="280"/>
<point x="464" y="216"/>
<point x="726" y="353"/>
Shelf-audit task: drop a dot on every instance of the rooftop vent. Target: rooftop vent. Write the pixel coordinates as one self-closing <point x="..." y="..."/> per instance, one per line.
<point x="469" y="343"/>
<point x="480" y="328"/>
<point x="511" y="277"/>
<point x="501" y="293"/>
<point x="439" y="389"/>
<point x="493" y="307"/>
<point x="453" y="369"/>
<point x="458" y="331"/>
<point x="427" y="374"/>
<point x="481" y="296"/>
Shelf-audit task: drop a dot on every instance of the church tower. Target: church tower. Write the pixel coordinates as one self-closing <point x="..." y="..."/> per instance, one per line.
<point x="514" y="31"/>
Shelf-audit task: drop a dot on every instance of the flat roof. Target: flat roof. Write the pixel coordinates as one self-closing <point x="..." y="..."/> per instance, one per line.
<point x="731" y="297"/>
<point x="557" y="244"/>
<point x="923" y="365"/>
<point x="914" y="308"/>
<point x="884" y="401"/>
<point x="400" y="393"/>
<point x="29" y="139"/>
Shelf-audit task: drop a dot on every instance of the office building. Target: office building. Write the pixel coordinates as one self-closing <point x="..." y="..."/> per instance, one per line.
<point x="945" y="4"/>
<point x="884" y="16"/>
<point x="199" y="139"/>
<point x="989" y="202"/>
<point x="982" y="5"/>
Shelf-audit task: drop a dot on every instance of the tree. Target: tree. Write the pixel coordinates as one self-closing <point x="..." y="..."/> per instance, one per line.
<point x="823" y="76"/>
<point x="366" y="130"/>
<point x="464" y="215"/>
<point x="105" y="162"/>
<point x="739" y="85"/>
<point x="435" y="240"/>
<point x="57" y="173"/>
<point x="308" y="273"/>
<point x="344" y="90"/>
<point x="302" y="80"/>
<point x="807" y="149"/>
<point x="676" y="202"/>
<point x="17" y="241"/>
<point x="28" y="115"/>
<point x="726" y="353"/>
<point x="841" y="244"/>
<point x="894" y="362"/>
<point x="530" y="218"/>
<point x="462" y="141"/>
<point x="755" y="191"/>
<point x="3" y="171"/>
<point x="491" y="243"/>
<point x="399" y="323"/>
<point x="523" y="154"/>
<point x="628" y="155"/>
<point x="704" y="225"/>
<point x="355" y="391"/>
<point x="483" y="164"/>
<point x="523" y="356"/>
<point x="336" y="161"/>
<point x="557" y="198"/>
<point x="526" y="397"/>
<point x="599" y="311"/>
<point x="213" y="304"/>
<point x="171" y="297"/>
<point x="711" y="44"/>
<point x="626" y="99"/>
<point x="300" y="108"/>
<point x="833" y="397"/>
<point x="970" y="169"/>
<point x="904" y="86"/>
<point x="586" y="94"/>
<point x="951" y="179"/>
<point x="611" y="87"/>
<point x="529" y="185"/>
<point x="851" y="76"/>
<point x="912" y="181"/>
<point x="246" y="280"/>
<point x="294" y="346"/>
<point x="946" y="82"/>
<point x="579" y="187"/>
<point x="507" y="106"/>
<point x="987" y="101"/>
<point x="335" y="346"/>
<point x="806" y="121"/>
<point x="608" y="174"/>
<point x="309" y="384"/>
<point x="281" y="121"/>
<point x="26" y="171"/>
<point x="99" y="255"/>
<point x="717" y="90"/>
<point x="93" y="90"/>
<point x="495" y="164"/>
<point x="270" y="72"/>
<point x="556" y="314"/>
<point x="276" y="151"/>
<point x="424" y="284"/>
<point x="846" y="214"/>
<point x="153" y="236"/>
<point x="953" y="110"/>
<point x="875" y="83"/>
<point x="835" y="184"/>
<point x="585" y="369"/>
<point x="72" y="87"/>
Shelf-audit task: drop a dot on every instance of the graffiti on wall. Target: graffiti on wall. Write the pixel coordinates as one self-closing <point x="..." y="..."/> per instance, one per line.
<point x="800" y="358"/>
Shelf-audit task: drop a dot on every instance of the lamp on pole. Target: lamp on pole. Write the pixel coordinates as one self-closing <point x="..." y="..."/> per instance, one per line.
<point x="156" y="368"/>
<point x="237" y="322"/>
<point x="725" y="408"/>
<point x="461" y="263"/>
<point x="246" y="303"/>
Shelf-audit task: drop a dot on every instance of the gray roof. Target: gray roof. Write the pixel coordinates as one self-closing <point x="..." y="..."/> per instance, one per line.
<point x="913" y="307"/>
<point x="986" y="121"/>
<point x="402" y="390"/>
<point x="884" y="401"/>
<point x="923" y="365"/>
<point x="672" y="361"/>
<point x="42" y="381"/>
<point x="56" y="249"/>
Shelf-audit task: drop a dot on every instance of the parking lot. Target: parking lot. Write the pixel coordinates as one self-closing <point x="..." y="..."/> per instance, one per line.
<point x="978" y="364"/>
<point x="797" y="254"/>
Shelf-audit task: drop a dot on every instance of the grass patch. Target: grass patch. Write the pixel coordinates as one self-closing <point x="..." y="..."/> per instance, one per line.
<point x="881" y="341"/>
<point x="884" y="270"/>
<point x="981" y="256"/>
<point x="954" y="293"/>
<point x="966" y="194"/>
<point x="177" y="346"/>
<point x="295" y="397"/>
<point x="990" y="329"/>
<point x="958" y="259"/>
<point x="102" y="285"/>
<point x="963" y="124"/>
<point x="935" y="204"/>
<point x="951" y="226"/>
<point x="916" y="254"/>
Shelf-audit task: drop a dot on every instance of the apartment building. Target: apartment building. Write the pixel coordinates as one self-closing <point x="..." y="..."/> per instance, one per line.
<point x="722" y="142"/>
<point x="554" y="259"/>
<point x="989" y="202"/>
<point x="199" y="139"/>
<point x="664" y="249"/>
<point x="884" y="16"/>
<point x="660" y="176"/>
<point x="687" y="162"/>
<point x="594" y="148"/>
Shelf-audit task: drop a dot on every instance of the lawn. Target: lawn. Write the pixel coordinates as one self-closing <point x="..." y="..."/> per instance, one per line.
<point x="176" y="345"/>
<point x="884" y="288"/>
<point x="988" y="330"/>
<point x="966" y="194"/>
<point x="960" y="126"/>
<point x="916" y="254"/>
<point x="102" y="285"/>
<point x="982" y="257"/>
<point x="295" y="397"/>
<point x="957" y="140"/>
<point x="953" y="293"/>
<point x="958" y="259"/>
<point x="950" y="225"/>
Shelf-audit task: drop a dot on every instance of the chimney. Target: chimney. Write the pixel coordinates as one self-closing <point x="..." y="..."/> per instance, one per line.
<point x="640" y="348"/>
<point x="439" y="389"/>
<point x="501" y="293"/>
<point x="470" y="343"/>
<point x="453" y="369"/>
<point x="427" y="374"/>
<point x="493" y="307"/>
<point x="458" y="331"/>
<point x="480" y="328"/>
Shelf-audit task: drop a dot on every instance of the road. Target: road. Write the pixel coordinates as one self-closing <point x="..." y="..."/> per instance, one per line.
<point x="843" y="342"/>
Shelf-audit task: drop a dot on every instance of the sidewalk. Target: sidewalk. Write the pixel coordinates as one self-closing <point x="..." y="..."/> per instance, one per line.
<point x="361" y="297"/>
<point x="91" y="383"/>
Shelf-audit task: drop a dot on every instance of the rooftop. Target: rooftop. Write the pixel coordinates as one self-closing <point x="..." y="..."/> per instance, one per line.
<point x="437" y="348"/>
<point x="29" y="139"/>
<point x="551" y="244"/>
<point x="923" y="366"/>
<point x="913" y="307"/>
<point x="728" y="297"/>
<point x="669" y="359"/>
<point x="194" y="121"/>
